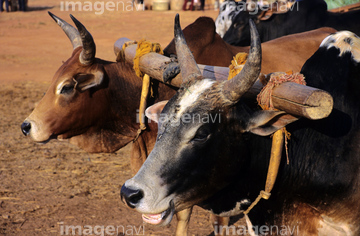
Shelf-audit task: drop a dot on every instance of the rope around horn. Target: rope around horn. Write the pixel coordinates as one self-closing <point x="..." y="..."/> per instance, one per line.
<point x="143" y="47"/>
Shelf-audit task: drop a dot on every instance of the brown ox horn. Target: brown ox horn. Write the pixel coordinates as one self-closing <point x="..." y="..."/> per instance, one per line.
<point x="87" y="55"/>
<point x="70" y="31"/>
<point x="233" y="89"/>
<point x="188" y="66"/>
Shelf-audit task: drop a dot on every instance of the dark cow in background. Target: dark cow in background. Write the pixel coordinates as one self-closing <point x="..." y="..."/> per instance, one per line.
<point x="283" y="54"/>
<point x="221" y="163"/>
<point x="302" y="16"/>
<point x="227" y="11"/>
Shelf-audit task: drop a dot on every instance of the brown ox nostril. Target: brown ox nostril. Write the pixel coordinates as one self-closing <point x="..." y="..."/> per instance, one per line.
<point x="131" y="197"/>
<point x="25" y="128"/>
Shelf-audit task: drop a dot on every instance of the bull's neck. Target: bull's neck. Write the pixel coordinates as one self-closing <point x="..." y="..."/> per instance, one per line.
<point x="117" y="126"/>
<point x="124" y="92"/>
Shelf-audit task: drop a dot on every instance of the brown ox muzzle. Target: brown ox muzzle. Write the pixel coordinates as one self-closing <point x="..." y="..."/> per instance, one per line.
<point x="37" y="128"/>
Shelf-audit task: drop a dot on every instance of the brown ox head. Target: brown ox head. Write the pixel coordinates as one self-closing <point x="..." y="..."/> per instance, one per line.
<point x="73" y="101"/>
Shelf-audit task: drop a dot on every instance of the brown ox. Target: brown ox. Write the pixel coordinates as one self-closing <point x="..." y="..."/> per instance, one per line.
<point x="281" y="54"/>
<point x="93" y="103"/>
<point x="90" y="101"/>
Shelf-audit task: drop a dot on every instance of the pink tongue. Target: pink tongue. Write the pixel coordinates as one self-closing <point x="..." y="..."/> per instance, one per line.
<point x="152" y="218"/>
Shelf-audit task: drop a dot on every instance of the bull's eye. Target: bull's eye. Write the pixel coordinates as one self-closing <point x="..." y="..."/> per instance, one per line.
<point x="67" y="88"/>
<point x="202" y="134"/>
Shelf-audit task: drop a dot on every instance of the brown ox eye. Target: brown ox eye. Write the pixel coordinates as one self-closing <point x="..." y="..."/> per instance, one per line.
<point x="66" y="89"/>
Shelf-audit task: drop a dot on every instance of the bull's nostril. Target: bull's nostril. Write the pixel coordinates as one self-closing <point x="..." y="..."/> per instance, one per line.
<point x="130" y="196"/>
<point x="25" y="128"/>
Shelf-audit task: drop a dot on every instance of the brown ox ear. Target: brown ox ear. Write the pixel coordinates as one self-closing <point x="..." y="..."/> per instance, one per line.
<point x="153" y="112"/>
<point x="264" y="123"/>
<point x="87" y="81"/>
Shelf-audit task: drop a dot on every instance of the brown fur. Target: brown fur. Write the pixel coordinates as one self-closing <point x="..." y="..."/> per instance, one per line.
<point x="282" y="54"/>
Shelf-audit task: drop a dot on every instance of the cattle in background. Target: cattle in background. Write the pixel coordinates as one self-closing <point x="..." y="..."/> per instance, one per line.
<point x="227" y="11"/>
<point x="283" y="54"/>
<point x="302" y="16"/>
<point x="212" y="149"/>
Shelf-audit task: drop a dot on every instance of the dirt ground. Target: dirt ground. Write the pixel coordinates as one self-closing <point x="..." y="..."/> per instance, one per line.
<point x="46" y="187"/>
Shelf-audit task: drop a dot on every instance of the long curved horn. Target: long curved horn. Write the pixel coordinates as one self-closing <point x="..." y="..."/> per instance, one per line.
<point x="188" y="66"/>
<point x="87" y="55"/>
<point x="70" y="31"/>
<point x="233" y="89"/>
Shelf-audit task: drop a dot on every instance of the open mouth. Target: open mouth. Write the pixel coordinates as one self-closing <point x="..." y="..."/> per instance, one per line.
<point x="162" y="218"/>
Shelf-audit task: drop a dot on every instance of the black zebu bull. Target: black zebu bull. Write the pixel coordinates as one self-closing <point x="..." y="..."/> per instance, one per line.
<point x="302" y="16"/>
<point x="221" y="163"/>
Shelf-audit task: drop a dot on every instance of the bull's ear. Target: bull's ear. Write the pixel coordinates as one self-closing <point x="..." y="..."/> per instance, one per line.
<point x="87" y="81"/>
<point x="264" y="123"/>
<point x="153" y="112"/>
